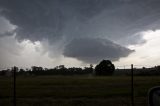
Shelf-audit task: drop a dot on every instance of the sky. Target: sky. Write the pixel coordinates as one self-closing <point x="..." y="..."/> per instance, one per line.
<point x="77" y="33"/>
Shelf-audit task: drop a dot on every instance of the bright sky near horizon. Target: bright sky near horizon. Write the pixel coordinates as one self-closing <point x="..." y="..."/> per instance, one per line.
<point x="77" y="33"/>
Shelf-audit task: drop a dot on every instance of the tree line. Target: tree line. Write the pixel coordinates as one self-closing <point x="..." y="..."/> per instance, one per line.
<point x="105" y="67"/>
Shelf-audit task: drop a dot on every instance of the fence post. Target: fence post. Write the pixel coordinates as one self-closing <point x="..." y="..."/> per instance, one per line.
<point x="132" y="86"/>
<point x="14" y="69"/>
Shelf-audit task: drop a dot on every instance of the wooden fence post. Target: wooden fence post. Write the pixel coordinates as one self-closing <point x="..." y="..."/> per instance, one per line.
<point x="14" y="69"/>
<point x="132" y="86"/>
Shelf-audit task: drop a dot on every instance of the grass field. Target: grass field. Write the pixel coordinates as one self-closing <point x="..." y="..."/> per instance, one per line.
<point x="76" y="90"/>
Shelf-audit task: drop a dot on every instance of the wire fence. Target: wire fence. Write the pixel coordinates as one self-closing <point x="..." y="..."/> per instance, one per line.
<point x="130" y="69"/>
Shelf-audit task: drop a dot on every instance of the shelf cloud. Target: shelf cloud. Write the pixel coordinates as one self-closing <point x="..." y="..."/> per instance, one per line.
<point x="92" y="50"/>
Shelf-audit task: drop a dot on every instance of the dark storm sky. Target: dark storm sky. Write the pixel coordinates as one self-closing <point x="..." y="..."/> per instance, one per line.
<point x="87" y="30"/>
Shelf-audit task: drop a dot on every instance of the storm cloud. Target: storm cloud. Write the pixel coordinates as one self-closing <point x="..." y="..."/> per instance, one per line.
<point x="49" y="19"/>
<point x="65" y="24"/>
<point x="92" y="50"/>
<point x="52" y="19"/>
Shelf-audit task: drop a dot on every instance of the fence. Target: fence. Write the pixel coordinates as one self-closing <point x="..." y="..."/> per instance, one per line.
<point x="15" y="69"/>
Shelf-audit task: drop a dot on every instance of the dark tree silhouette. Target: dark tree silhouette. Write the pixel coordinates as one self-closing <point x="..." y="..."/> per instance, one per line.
<point x="105" y="67"/>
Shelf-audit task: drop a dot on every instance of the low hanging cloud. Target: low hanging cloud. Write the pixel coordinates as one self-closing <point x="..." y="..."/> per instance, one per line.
<point x="92" y="50"/>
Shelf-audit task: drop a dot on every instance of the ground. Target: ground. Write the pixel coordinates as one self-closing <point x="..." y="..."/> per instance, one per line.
<point x="76" y="90"/>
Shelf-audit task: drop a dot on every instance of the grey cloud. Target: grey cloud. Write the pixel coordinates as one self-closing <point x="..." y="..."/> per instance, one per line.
<point x="38" y="19"/>
<point x="125" y="20"/>
<point x="5" y="27"/>
<point x="7" y="33"/>
<point x="9" y="49"/>
<point x="34" y="19"/>
<point x="92" y="50"/>
<point x="133" y="40"/>
<point x="54" y="20"/>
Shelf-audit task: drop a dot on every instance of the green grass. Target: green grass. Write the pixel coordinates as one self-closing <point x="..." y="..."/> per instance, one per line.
<point x="76" y="90"/>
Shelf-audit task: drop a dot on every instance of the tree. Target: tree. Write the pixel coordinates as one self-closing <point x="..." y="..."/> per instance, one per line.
<point x="105" y="67"/>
